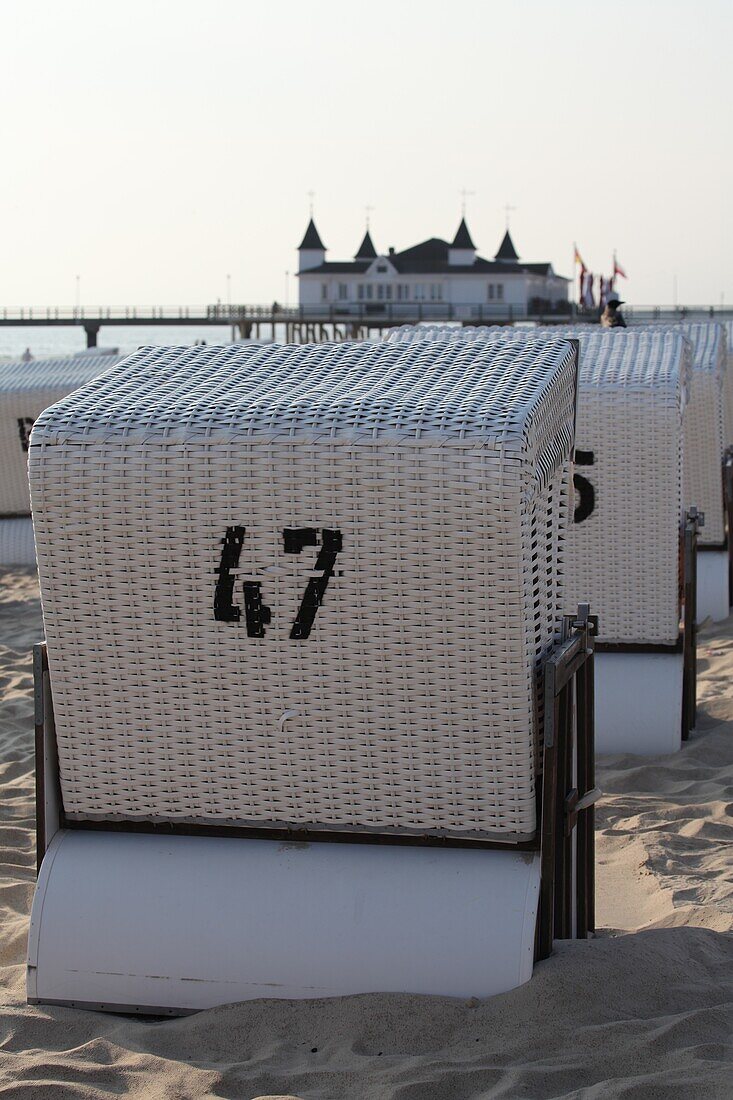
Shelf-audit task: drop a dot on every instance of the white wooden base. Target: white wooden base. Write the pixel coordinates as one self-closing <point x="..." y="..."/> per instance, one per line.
<point x="712" y="585"/>
<point x="638" y="702"/>
<point x="176" y="924"/>
<point x="16" y="542"/>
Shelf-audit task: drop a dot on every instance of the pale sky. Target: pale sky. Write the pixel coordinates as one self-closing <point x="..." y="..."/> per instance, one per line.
<point x="155" y="147"/>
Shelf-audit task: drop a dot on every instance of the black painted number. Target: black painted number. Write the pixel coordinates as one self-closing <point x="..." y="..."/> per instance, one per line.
<point x="331" y="543"/>
<point x="583" y="487"/>
<point x="256" y="613"/>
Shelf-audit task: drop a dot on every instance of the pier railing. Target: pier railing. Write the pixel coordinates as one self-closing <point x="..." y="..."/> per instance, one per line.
<point x="325" y="320"/>
<point x="236" y="314"/>
<point x="365" y="313"/>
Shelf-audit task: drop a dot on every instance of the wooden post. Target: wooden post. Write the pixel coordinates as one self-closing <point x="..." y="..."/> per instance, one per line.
<point x="92" y="332"/>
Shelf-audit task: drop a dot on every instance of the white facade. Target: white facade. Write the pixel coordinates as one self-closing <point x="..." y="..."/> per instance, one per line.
<point x="428" y="277"/>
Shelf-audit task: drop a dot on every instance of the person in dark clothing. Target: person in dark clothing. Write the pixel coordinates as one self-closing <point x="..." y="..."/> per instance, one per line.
<point x="611" y="316"/>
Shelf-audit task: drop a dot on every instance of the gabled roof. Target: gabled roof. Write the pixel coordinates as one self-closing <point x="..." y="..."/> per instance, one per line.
<point x="311" y="240"/>
<point x="462" y="238"/>
<point x="382" y="264"/>
<point x="507" y="251"/>
<point x="367" y="251"/>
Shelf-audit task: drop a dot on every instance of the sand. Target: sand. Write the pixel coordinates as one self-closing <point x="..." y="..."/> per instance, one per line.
<point x="645" y="1009"/>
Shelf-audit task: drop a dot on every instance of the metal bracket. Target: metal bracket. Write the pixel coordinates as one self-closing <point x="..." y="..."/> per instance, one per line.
<point x="695" y="518"/>
<point x="575" y="806"/>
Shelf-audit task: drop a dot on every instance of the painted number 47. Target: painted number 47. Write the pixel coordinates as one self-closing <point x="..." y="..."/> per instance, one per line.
<point x="257" y="614"/>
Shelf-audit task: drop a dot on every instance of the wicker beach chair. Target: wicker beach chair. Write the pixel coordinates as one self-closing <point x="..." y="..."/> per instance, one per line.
<point x="623" y="549"/>
<point x="709" y="433"/>
<point x="726" y="328"/>
<point x="299" y="594"/>
<point x="26" y="389"/>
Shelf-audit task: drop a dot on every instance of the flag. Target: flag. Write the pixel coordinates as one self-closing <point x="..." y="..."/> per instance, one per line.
<point x="587" y="299"/>
<point x="617" y="269"/>
<point x="578" y="257"/>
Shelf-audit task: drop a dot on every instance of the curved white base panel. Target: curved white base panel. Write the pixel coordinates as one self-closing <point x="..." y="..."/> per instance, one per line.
<point x="17" y="546"/>
<point x="176" y="924"/>
<point x="712" y="585"/>
<point x="638" y="702"/>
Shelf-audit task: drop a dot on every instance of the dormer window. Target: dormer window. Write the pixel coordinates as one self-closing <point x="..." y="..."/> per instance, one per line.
<point x="382" y="269"/>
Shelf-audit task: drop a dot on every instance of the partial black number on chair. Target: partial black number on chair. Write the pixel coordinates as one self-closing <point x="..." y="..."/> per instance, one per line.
<point x="25" y="424"/>
<point x="587" y="494"/>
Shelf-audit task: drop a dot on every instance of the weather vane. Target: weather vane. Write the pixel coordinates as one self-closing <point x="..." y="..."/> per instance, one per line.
<point x="464" y="195"/>
<point x="367" y="211"/>
<point x="311" y="196"/>
<point x="507" y="211"/>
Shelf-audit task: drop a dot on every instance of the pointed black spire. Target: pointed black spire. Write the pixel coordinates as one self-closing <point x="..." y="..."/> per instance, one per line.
<point x="367" y="251"/>
<point x="311" y="238"/>
<point x="462" y="238"/>
<point x="507" y="251"/>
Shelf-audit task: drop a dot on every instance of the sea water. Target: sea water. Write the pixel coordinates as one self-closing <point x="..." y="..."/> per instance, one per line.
<point x="45" y="343"/>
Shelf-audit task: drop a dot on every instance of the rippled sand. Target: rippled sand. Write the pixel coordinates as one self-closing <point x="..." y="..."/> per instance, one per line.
<point x="644" y="1010"/>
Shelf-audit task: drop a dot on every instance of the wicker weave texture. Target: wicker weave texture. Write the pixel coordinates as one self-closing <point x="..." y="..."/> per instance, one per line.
<point x="706" y="427"/>
<point x="26" y="389"/>
<point x="703" y="483"/>
<point x="708" y="422"/>
<point x="728" y="383"/>
<point x="623" y="555"/>
<point x="710" y="353"/>
<point x="436" y="478"/>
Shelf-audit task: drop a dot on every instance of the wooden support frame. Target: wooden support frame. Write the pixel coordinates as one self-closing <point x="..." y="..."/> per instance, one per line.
<point x="567" y="889"/>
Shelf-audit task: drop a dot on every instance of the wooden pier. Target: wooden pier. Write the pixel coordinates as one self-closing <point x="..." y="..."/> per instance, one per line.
<point x="315" y="324"/>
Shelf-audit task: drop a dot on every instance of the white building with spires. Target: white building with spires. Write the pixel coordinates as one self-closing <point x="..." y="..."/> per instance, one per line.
<point x="431" y="274"/>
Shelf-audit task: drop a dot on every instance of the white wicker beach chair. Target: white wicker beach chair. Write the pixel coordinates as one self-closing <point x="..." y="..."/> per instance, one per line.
<point x="708" y="417"/>
<point x="728" y="382"/>
<point x="623" y="550"/>
<point x="26" y="389"/>
<point x="624" y="547"/>
<point x="311" y="593"/>
<point x="709" y="421"/>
